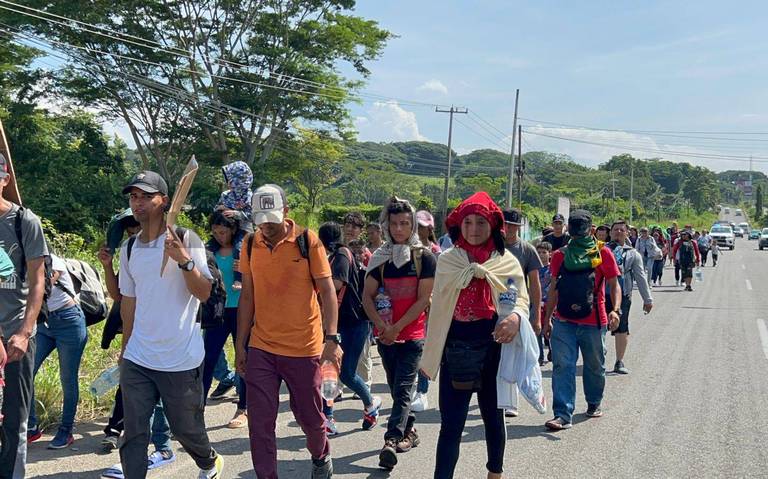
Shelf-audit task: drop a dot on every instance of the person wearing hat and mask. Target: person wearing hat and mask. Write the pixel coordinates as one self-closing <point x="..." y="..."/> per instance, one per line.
<point x="578" y="326"/>
<point x="283" y="332"/>
<point x="21" y="296"/>
<point x="530" y="261"/>
<point x="558" y="237"/>
<point x="162" y="349"/>
<point x="405" y="269"/>
<point x="466" y="334"/>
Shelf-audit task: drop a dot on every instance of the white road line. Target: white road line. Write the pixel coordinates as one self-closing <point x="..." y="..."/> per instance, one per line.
<point x="743" y="267"/>
<point x="763" y="335"/>
<point x="749" y="285"/>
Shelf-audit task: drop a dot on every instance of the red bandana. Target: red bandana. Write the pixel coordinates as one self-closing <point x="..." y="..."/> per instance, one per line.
<point x="475" y="301"/>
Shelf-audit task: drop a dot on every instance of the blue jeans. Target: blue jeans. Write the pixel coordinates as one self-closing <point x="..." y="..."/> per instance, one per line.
<point x="566" y="340"/>
<point x="213" y="341"/>
<point x="161" y="430"/>
<point x="64" y="331"/>
<point x="353" y="338"/>
<point x="221" y="371"/>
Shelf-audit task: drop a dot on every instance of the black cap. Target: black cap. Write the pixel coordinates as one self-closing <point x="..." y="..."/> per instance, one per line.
<point x="579" y="223"/>
<point x="148" y="181"/>
<point x="513" y="216"/>
<point x="558" y="217"/>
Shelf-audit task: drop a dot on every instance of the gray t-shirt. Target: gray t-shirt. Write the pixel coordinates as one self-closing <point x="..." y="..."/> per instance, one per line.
<point x="527" y="255"/>
<point x="13" y="293"/>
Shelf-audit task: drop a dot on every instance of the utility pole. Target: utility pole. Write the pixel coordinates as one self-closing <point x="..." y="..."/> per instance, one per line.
<point x="613" y="195"/>
<point x="450" y="156"/>
<point x="512" y="153"/>
<point x="631" y="188"/>
<point x="520" y="168"/>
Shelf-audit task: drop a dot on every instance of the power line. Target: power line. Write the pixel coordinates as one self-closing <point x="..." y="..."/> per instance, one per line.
<point x="150" y="44"/>
<point x="655" y="132"/>
<point x="652" y="150"/>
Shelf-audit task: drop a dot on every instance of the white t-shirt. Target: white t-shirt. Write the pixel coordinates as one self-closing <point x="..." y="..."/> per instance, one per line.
<point x="58" y="298"/>
<point x="166" y="335"/>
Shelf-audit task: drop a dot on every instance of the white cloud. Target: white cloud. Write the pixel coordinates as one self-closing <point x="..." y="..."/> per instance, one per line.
<point x="435" y="86"/>
<point x="388" y="121"/>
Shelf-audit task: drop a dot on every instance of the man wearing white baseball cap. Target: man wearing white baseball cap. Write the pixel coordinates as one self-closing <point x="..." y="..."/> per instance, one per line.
<point x="289" y="334"/>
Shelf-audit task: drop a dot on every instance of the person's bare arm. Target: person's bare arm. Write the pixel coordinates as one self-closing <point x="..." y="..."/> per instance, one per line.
<point x="245" y="310"/>
<point x="18" y="343"/>
<point x="197" y="284"/>
<point x="127" y="313"/>
<point x="546" y="326"/>
<point x="110" y="277"/>
<point x="534" y="290"/>
<point x="330" y="310"/>
<point x="614" y="316"/>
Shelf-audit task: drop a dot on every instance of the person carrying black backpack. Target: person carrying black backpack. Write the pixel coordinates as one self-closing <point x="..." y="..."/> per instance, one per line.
<point x="687" y="256"/>
<point x="354" y="327"/>
<point x="580" y="273"/>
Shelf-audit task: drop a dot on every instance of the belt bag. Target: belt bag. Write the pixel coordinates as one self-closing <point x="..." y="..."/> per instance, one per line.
<point x="464" y="359"/>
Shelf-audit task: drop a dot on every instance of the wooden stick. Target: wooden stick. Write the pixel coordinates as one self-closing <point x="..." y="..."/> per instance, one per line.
<point x="11" y="191"/>
<point x="179" y="197"/>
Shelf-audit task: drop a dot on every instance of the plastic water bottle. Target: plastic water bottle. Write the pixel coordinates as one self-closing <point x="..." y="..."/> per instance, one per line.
<point x="699" y="275"/>
<point x="108" y="379"/>
<point x="383" y="306"/>
<point x="330" y="387"/>
<point x="508" y="299"/>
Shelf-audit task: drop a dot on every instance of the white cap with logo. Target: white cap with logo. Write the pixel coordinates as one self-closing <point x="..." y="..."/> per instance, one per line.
<point x="268" y="204"/>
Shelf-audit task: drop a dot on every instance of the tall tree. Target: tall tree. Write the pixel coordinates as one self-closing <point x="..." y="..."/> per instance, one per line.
<point x="758" y="202"/>
<point x="235" y="74"/>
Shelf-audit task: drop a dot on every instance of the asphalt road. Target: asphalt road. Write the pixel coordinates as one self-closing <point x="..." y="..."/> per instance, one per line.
<point x="694" y="405"/>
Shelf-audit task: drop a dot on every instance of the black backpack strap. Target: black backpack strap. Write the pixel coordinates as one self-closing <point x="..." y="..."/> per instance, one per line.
<point x="131" y="242"/>
<point x="20" y="237"/>
<point x="302" y="241"/>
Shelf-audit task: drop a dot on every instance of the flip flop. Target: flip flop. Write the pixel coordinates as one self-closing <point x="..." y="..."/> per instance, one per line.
<point x="557" y="424"/>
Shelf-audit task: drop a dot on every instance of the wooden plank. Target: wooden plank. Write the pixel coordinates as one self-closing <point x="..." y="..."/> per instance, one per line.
<point x="11" y="191"/>
<point x="179" y="197"/>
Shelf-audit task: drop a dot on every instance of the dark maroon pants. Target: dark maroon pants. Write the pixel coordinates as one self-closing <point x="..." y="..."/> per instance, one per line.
<point x="265" y="372"/>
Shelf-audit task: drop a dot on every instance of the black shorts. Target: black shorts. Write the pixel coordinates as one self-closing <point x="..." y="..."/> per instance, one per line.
<point x="686" y="271"/>
<point x="626" y="303"/>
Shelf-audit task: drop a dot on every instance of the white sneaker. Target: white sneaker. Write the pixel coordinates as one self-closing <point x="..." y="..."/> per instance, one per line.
<point x="215" y="471"/>
<point x="114" y="472"/>
<point x="420" y="403"/>
<point x="510" y="413"/>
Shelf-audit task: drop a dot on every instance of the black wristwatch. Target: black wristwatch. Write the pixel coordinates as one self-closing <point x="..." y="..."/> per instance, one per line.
<point x="336" y="338"/>
<point x="188" y="266"/>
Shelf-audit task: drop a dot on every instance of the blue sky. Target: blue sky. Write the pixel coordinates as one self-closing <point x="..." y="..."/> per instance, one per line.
<point x="682" y="66"/>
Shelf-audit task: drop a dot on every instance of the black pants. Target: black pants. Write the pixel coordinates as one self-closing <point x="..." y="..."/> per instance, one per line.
<point x="454" y="406"/>
<point x="115" y="423"/>
<point x="182" y="395"/>
<point x="704" y="255"/>
<point x="677" y="271"/>
<point x="16" y="401"/>
<point x="401" y="364"/>
<point x="214" y="340"/>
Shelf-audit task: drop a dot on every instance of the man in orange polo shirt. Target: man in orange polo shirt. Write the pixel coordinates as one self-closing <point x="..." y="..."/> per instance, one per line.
<point x="289" y="335"/>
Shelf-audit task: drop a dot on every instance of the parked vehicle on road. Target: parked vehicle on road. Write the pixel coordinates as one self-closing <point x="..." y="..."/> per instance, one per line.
<point x="727" y="210"/>
<point x="738" y="212"/>
<point x="754" y="235"/>
<point x="738" y="232"/>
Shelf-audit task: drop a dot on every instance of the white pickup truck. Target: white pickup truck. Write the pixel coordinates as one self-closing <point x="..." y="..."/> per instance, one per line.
<point x="724" y="236"/>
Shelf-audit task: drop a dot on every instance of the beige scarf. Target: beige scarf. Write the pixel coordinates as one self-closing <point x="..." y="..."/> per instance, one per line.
<point x="454" y="273"/>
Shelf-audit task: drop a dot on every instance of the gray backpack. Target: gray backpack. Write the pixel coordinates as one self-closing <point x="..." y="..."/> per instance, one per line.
<point x="87" y="284"/>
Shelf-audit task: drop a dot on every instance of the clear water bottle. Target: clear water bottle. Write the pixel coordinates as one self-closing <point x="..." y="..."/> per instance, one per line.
<point x="508" y="299"/>
<point x="383" y="306"/>
<point x="330" y="376"/>
<point x="107" y="380"/>
<point x="699" y="274"/>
